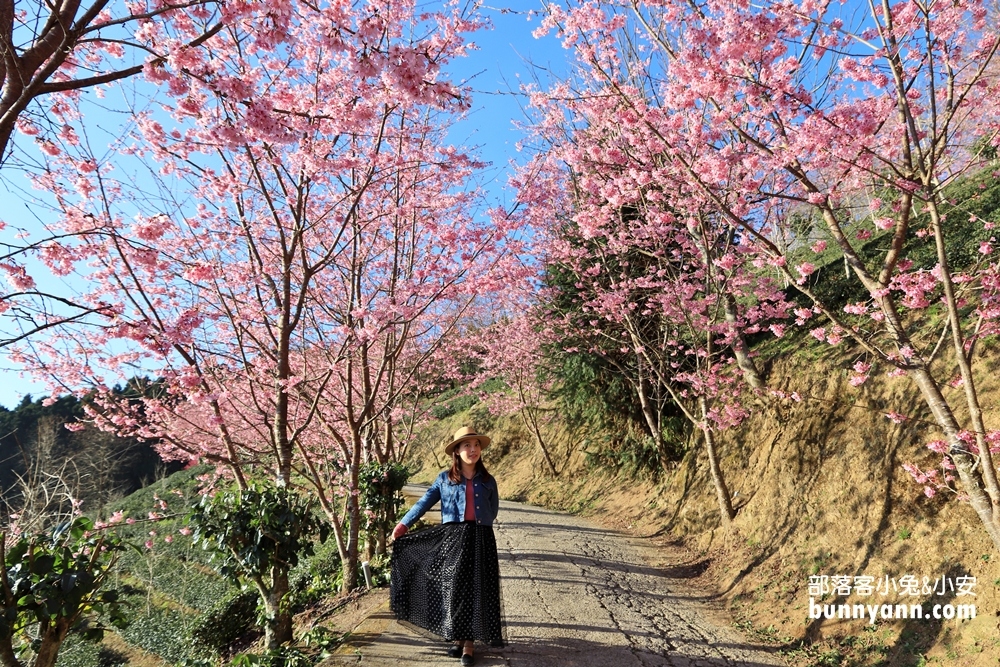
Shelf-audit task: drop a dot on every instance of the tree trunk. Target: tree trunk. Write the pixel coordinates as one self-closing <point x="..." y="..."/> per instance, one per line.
<point x="278" y="630"/>
<point x="7" y="657"/>
<point x="648" y="412"/>
<point x="718" y="481"/>
<point x="531" y="424"/>
<point x="353" y="520"/>
<point x="965" y="463"/>
<point x="52" y="638"/>
<point x="740" y="348"/>
<point x="989" y="473"/>
<point x="380" y="544"/>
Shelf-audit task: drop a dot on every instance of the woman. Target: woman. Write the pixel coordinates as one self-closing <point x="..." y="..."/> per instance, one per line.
<point x="447" y="579"/>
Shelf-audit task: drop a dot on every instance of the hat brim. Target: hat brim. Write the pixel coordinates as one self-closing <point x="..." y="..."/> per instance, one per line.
<point x="484" y="442"/>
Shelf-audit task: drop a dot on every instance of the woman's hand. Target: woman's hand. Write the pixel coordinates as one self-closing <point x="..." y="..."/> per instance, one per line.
<point x="399" y="531"/>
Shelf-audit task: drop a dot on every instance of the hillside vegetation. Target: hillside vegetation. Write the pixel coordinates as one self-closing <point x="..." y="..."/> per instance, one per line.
<point x="40" y="456"/>
<point x="181" y="610"/>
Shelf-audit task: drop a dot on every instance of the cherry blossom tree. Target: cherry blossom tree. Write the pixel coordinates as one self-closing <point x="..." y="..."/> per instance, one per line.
<point x="50" y="54"/>
<point x="859" y="119"/>
<point x="48" y="49"/>
<point x="304" y="241"/>
<point x="666" y="290"/>
<point x="513" y="350"/>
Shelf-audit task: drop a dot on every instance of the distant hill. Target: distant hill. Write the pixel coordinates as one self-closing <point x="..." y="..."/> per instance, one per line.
<point x="91" y="465"/>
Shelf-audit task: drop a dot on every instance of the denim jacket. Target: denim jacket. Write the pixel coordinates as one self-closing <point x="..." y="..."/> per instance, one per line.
<point x="452" y="497"/>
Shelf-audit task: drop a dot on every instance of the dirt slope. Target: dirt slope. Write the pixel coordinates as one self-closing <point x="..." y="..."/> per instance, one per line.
<point x="821" y="491"/>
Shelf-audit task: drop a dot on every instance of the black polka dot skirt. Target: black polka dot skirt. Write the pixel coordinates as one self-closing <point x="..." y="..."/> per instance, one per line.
<point x="446" y="580"/>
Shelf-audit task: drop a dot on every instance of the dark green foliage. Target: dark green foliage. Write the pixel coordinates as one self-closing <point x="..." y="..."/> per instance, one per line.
<point x="630" y="451"/>
<point x="59" y="581"/>
<point x="317" y="576"/>
<point x="106" y="466"/>
<point x="258" y="535"/>
<point x="79" y="653"/>
<point x="598" y="384"/>
<point x="381" y="486"/>
<point x="175" y="576"/>
<point x="452" y="402"/>
<point x="177" y="569"/>
<point x="977" y="195"/>
<point x="256" y="529"/>
<point x="181" y="578"/>
<point x="592" y="392"/>
<point x="322" y="641"/>
<point x="595" y="398"/>
<point x="460" y="399"/>
<point x="177" y="635"/>
<point x="316" y="646"/>
<point x="181" y="575"/>
<point x="161" y="631"/>
<point x="141" y="502"/>
<point x="231" y="618"/>
<point x="283" y="656"/>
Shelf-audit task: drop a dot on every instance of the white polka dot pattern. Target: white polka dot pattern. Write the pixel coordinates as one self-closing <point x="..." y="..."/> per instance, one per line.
<point x="446" y="580"/>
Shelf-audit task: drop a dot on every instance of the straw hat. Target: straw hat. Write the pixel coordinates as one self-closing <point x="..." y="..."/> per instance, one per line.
<point x="465" y="433"/>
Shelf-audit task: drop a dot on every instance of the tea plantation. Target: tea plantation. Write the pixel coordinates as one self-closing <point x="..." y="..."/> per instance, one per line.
<point x="181" y="610"/>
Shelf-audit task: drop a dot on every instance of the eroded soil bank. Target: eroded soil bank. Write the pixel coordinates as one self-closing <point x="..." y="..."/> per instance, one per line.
<point x="820" y="491"/>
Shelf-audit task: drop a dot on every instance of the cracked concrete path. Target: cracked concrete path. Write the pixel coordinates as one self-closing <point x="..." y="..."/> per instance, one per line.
<point x="574" y="594"/>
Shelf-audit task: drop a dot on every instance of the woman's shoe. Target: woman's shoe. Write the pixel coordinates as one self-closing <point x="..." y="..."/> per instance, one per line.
<point x="455" y="651"/>
<point x="467" y="660"/>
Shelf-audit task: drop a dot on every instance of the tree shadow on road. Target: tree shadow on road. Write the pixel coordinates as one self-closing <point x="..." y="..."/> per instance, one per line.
<point x="532" y="645"/>
<point x="583" y="561"/>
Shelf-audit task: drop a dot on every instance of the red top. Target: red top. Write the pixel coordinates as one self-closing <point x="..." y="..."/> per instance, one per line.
<point x="470" y="501"/>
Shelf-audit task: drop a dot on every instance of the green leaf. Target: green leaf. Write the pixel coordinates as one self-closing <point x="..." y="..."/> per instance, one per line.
<point x="61" y="530"/>
<point x="42" y="565"/>
<point x="80" y="526"/>
<point x="68" y="581"/>
<point x="16" y="553"/>
<point x="93" y="634"/>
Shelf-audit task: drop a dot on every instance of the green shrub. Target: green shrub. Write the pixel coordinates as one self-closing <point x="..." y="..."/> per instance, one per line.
<point x="381" y="486"/>
<point x="380" y="569"/>
<point x="78" y="652"/>
<point x="633" y="453"/>
<point x="58" y="579"/>
<point x="229" y="620"/>
<point x="283" y="656"/>
<point x="160" y="631"/>
<point x="138" y="505"/>
<point x="260" y="534"/>
<point x="190" y="584"/>
<point x="316" y="577"/>
<point x="460" y="403"/>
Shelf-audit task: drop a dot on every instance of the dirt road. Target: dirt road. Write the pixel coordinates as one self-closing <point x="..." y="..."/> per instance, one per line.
<point x="574" y="594"/>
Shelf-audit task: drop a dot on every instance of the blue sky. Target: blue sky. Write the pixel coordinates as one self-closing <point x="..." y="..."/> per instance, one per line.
<point x="508" y="56"/>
